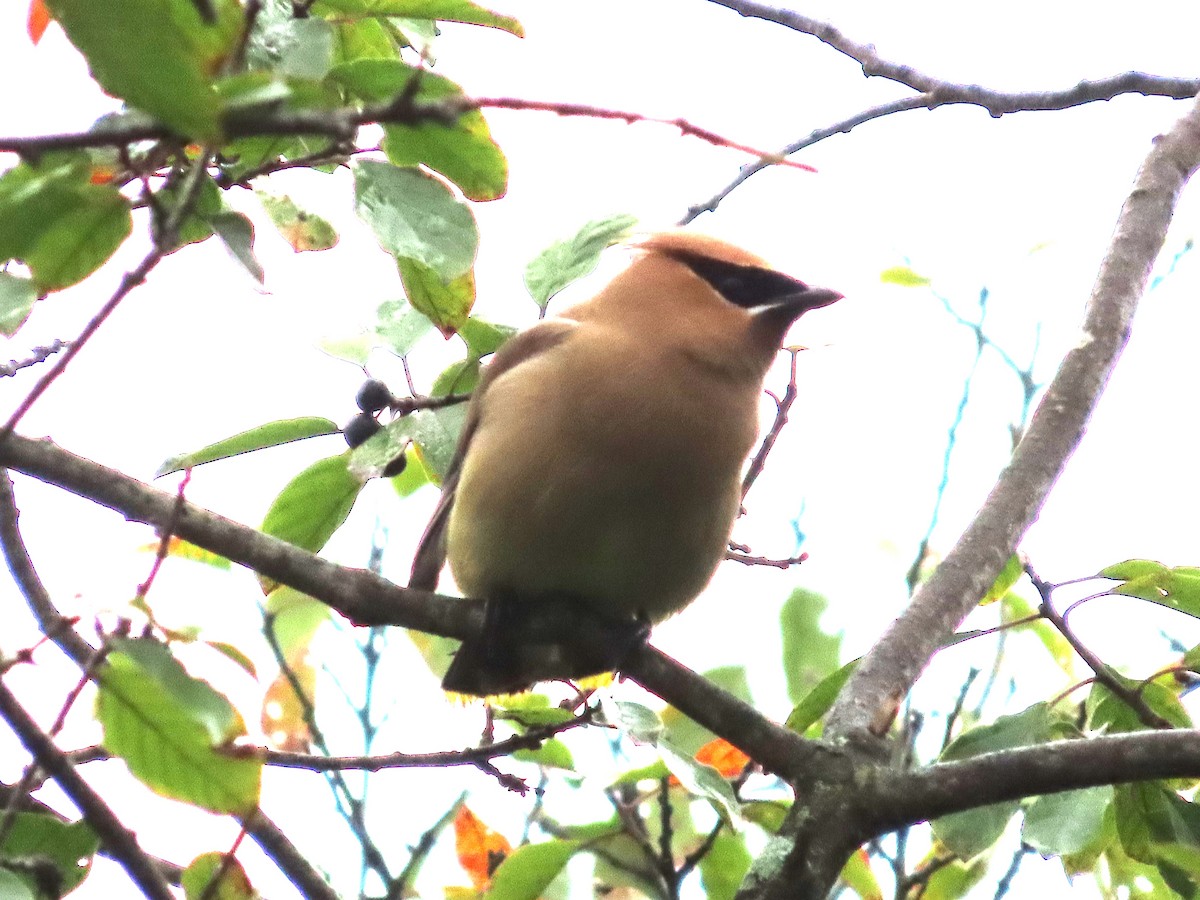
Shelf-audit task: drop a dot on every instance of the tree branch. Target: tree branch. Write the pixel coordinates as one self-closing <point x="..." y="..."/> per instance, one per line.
<point x="818" y="834"/>
<point x="890" y="668"/>
<point x="941" y="92"/>
<point x="367" y="599"/>
<point x="341" y="125"/>
<point x="902" y="798"/>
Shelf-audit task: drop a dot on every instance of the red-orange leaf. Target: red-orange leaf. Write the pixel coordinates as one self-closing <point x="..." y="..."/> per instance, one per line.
<point x="39" y="19"/>
<point x="480" y="850"/>
<point x="723" y="756"/>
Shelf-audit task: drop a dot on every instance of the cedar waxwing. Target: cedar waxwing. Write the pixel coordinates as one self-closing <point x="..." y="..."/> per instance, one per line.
<point x="598" y="473"/>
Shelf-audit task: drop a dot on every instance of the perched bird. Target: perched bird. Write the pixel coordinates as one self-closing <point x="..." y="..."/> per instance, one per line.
<point x="598" y="473"/>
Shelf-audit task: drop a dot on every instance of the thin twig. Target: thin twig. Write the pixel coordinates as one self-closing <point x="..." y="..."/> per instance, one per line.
<point x="471" y="756"/>
<point x="36" y="355"/>
<point x="1104" y="673"/>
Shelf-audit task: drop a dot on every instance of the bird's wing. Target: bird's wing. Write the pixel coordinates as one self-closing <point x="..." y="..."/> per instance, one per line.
<point x="431" y="552"/>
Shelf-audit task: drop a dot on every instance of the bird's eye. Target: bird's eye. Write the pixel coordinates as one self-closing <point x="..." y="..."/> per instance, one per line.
<point x="746" y="286"/>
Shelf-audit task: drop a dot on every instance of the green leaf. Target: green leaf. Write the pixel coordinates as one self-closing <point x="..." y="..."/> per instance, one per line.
<point x="703" y="781"/>
<point x="533" y="711"/>
<point x="236" y="232"/>
<point x="1066" y="823"/>
<point x="1148" y="814"/>
<point x="413" y="477"/>
<point x="954" y="881"/>
<point x="294" y="619"/>
<point x="724" y="867"/>
<point x="971" y="832"/>
<point x="445" y="303"/>
<point x="17" y="296"/>
<point x="207" y="203"/>
<point x="1107" y="712"/>
<point x="314" y="504"/>
<point x="1035" y="725"/>
<point x="857" y="875"/>
<point x="809" y="653"/>
<point x="484" y="338"/>
<point x="820" y="699"/>
<point x="1014" y="607"/>
<point x="414" y="216"/>
<point x="903" y="276"/>
<point x="14" y="887"/>
<point x="528" y="871"/>
<point x="553" y="754"/>
<point x="57" y="222"/>
<point x="368" y="460"/>
<point x="167" y="743"/>
<point x="1009" y="575"/>
<point x="460" y="377"/>
<point x="272" y="434"/>
<point x="1133" y="568"/>
<point x="640" y="722"/>
<point x="68" y="846"/>
<point x="436" y="432"/>
<point x="231" y="881"/>
<point x="443" y="10"/>
<point x="767" y="814"/>
<point x="203" y="704"/>
<point x="302" y="230"/>
<point x="158" y="55"/>
<point x="399" y="326"/>
<point x="566" y="261"/>
<point x="362" y="39"/>
<point x="463" y="151"/>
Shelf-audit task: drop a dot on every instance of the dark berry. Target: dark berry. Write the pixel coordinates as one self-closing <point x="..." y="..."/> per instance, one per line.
<point x="373" y="396"/>
<point x="360" y="428"/>
<point x="395" y="467"/>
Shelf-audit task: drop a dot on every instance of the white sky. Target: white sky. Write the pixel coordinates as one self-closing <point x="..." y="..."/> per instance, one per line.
<point x="200" y="353"/>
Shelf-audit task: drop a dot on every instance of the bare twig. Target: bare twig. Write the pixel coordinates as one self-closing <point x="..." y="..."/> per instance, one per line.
<point x="747" y="560"/>
<point x="942" y="92"/>
<point x="1104" y="674"/>
<point x="36" y="355"/>
<point x="783" y="406"/>
<point x="531" y="740"/>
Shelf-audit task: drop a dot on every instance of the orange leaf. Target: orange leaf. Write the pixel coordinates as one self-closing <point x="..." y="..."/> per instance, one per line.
<point x="39" y="19"/>
<point x="100" y="174"/>
<point x="723" y="756"/>
<point x="480" y="850"/>
<point x="283" y="713"/>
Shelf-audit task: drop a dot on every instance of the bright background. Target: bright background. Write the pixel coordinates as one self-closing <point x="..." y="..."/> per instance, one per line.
<point x="1023" y="206"/>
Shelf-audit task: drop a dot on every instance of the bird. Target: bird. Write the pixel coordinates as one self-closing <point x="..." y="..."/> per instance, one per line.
<point x="597" y="476"/>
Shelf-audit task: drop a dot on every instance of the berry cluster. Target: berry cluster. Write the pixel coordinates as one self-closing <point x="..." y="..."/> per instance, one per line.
<point x="372" y="399"/>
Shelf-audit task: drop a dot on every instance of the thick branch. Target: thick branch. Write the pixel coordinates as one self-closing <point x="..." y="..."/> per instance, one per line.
<point x="904" y="798"/>
<point x="890" y="668"/>
<point x="367" y="599"/>
<point x="942" y="92"/>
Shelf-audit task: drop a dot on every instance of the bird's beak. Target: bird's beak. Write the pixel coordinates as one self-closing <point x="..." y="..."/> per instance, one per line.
<point x="802" y="301"/>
